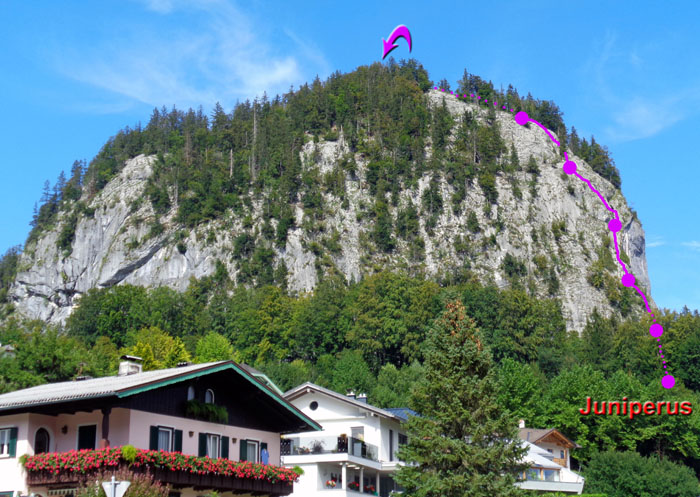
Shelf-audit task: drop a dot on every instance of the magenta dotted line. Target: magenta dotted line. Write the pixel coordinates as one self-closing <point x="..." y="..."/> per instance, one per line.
<point x="615" y="225"/>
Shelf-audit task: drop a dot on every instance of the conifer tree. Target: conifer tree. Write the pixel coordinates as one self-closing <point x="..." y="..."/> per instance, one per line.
<point x="462" y="443"/>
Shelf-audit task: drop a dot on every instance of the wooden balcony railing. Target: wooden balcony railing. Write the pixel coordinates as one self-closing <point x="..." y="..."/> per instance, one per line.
<point x="176" y="479"/>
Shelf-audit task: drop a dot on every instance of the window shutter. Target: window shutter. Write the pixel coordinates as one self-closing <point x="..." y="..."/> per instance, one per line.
<point x="153" y="443"/>
<point x="12" y="447"/>
<point x="178" y="441"/>
<point x="224" y="447"/>
<point x="202" y="444"/>
<point x="244" y="449"/>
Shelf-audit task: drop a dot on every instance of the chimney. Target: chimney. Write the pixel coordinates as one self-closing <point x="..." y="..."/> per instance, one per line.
<point x="129" y="365"/>
<point x="350" y="393"/>
<point x="521" y="423"/>
<point x="362" y="398"/>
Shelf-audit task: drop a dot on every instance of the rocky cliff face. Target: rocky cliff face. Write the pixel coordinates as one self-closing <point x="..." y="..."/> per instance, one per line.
<point x="550" y="225"/>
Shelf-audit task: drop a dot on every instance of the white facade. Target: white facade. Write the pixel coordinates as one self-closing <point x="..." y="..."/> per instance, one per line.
<point x="357" y="446"/>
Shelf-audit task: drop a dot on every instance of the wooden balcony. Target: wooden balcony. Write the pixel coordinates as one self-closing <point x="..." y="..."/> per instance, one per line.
<point x="176" y="480"/>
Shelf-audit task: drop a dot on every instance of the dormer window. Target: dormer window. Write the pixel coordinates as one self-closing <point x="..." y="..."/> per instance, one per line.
<point x="190" y="393"/>
<point x="209" y="396"/>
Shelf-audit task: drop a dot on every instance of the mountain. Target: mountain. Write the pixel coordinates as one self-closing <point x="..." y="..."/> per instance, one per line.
<point x="367" y="171"/>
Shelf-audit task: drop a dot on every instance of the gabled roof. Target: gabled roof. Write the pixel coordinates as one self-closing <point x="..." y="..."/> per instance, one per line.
<point x="307" y="387"/>
<point x="535" y="435"/>
<point x="119" y="387"/>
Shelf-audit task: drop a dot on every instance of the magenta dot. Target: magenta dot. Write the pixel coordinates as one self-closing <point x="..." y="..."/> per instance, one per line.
<point x="521" y="118"/>
<point x="504" y="107"/>
<point x="511" y="110"/>
<point x="656" y="330"/>
<point x="668" y="381"/>
<point x="658" y="339"/>
<point x="614" y="225"/>
<point x="478" y="97"/>
<point x="569" y="167"/>
<point x="628" y="280"/>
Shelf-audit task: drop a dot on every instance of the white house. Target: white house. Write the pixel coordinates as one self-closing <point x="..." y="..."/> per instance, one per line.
<point x="549" y="460"/>
<point x="355" y="452"/>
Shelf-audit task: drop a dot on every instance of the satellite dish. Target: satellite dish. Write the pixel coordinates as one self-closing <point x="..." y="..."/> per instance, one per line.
<point x="115" y="488"/>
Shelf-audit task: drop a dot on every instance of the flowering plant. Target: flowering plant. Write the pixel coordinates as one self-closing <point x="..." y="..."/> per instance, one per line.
<point x="370" y="489"/>
<point x="84" y="461"/>
<point x="330" y="484"/>
<point x="353" y="485"/>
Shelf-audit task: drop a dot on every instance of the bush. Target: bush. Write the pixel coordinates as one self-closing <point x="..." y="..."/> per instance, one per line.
<point x="129" y="453"/>
<point x="628" y="474"/>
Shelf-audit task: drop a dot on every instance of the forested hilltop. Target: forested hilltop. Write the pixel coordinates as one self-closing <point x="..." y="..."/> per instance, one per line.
<point x="368" y="171"/>
<point x="318" y="236"/>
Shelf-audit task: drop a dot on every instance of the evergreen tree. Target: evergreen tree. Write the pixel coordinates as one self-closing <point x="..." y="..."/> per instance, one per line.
<point x="463" y="443"/>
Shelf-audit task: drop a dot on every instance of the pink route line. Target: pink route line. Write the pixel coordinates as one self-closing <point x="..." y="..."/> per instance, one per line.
<point x="614" y="225"/>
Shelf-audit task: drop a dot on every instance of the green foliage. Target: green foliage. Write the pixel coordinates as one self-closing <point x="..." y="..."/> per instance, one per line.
<point x="463" y="443"/>
<point x="8" y="270"/>
<point x="207" y="412"/>
<point x="67" y="234"/>
<point x="129" y="453"/>
<point x="213" y="347"/>
<point x="627" y="474"/>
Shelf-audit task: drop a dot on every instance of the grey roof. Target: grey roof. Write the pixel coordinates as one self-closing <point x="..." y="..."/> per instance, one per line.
<point x="93" y="388"/>
<point x="533" y="435"/>
<point x="402" y="412"/>
<point x="301" y="389"/>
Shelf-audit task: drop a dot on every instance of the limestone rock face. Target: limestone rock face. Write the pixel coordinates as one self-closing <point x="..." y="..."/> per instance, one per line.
<point x="554" y="227"/>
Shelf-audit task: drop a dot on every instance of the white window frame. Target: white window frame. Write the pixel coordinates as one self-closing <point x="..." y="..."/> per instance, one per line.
<point x="213" y="397"/>
<point x="77" y="434"/>
<point x="218" y="446"/>
<point x="170" y="429"/>
<point x="6" y="446"/>
<point x="257" y="450"/>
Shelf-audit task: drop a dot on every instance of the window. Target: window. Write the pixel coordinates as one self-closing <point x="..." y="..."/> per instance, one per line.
<point x="41" y="441"/>
<point x="165" y="439"/>
<point x="87" y="437"/>
<point x="4" y="442"/>
<point x="551" y="475"/>
<point x="562" y="454"/>
<point x="534" y="474"/>
<point x="549" y="450"/>
<point x="8" y="442"/>
<point x="358" y="432"/>
<point x="6" y="494"/>
<point x="403" y="439"/>
<point x="213" y="446"/>
<point x="252" y="451"/>
<point x="313" y="406"/>
<point x="249" y="450"/>
<point x="209" y="396"/>
<point x="391" y="445"/>
<point x="190" y="392"/>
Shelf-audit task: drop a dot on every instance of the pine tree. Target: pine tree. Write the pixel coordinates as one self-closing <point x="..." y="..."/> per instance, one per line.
<point x="463" y="443"/>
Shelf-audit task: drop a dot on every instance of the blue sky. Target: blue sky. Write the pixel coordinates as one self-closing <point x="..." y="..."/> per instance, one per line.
<point x="74" y="73"/>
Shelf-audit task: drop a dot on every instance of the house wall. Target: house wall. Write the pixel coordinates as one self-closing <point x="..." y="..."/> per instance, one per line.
<point x="142" y="421"/>
<point x="337" y="417"/>
<point x="555" y="451"/>
<point x="12" y="476"/>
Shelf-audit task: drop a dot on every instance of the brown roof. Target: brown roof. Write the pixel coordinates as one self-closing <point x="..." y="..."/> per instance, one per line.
<point x="534" y="435"/>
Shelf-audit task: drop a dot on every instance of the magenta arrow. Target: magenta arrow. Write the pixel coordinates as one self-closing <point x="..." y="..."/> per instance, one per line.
<point x="400" y="31"/>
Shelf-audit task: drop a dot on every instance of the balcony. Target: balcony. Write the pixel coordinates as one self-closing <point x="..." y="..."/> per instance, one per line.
<point x="299" y="446"/>
<point x="177" y="470"/>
